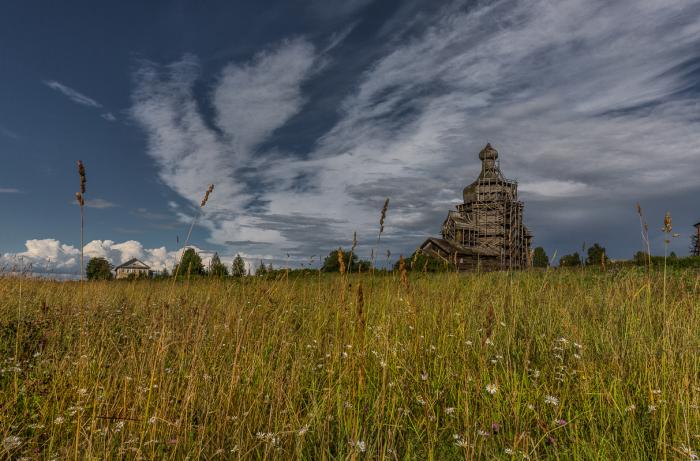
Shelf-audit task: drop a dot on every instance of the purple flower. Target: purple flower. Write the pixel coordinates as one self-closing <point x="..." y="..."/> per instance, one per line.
<point x="495" y="427"/>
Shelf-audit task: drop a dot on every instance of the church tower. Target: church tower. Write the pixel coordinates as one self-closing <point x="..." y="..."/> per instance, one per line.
<point x="486" y="231"/>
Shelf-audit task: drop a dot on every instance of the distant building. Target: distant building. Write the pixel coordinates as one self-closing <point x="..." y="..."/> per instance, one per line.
<point x="695" y="248"/>
<point x="133" y="268"/>
<point x="486" y="231"/>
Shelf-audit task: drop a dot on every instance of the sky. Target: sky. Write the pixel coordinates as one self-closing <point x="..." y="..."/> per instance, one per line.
<point x="307" y="115"/>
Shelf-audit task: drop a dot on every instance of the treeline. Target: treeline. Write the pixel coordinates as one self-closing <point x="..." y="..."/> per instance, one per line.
<point x="345" y="261"/>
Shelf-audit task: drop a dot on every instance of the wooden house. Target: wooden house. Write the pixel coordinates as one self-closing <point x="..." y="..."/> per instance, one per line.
<point x="486" y="231"/>
<point x="133" y="268"/>
<point x="695" y="241"/>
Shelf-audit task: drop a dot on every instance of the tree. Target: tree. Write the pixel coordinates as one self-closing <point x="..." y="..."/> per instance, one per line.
<point x="573" y="260"/>
<point x="332" y="264"/>
<point x="238" y="267"/>
<point x="539" y="258"/>
<point x="262" y="269"/>
<point x="216" y="267"/>
<point x="98" y="269"/>
<point x="190" y="264"/>
<point x="596" y="255"/>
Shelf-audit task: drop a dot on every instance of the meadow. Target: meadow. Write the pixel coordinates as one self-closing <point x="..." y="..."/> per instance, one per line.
<point x="556" y="364"/>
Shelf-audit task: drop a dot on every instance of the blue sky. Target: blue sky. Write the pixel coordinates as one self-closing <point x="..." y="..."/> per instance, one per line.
<point x="306" y="115"/>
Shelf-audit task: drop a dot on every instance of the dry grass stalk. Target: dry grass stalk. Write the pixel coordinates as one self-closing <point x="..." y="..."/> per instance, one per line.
<point x="341" y="261"/>
<point x="80" y="197"/>
<point x="402" y="271"/>
<point x="383" y="217"/>
<point x="489" y="324"/>
<point x="204" y="201"/>
<point x="645" y="234"/>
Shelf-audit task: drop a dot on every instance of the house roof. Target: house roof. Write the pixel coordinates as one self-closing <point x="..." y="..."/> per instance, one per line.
<point x="133" y="263"/>
<point x="696" y="225"/>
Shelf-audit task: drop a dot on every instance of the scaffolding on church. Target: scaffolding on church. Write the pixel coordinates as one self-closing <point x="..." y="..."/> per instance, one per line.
<point x="486" y="231"/>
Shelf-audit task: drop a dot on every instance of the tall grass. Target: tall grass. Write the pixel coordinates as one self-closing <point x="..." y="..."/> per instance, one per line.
<point x="555" y="365"/>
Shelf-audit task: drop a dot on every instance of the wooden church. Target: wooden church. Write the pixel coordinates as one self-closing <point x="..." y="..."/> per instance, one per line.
<point x="486" y="231"/>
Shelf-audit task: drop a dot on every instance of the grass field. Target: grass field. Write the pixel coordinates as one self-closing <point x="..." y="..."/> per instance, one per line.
<point x="532" y="365"/>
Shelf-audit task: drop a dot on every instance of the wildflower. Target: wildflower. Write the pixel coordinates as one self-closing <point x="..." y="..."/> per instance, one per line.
<point x="495" y="427"/>
<point x="59" y="420"/>
<point x="469" y="343"/>
<point x="152" y="420"/>
<point x="630" y="408"/>
<point x="551" y="400"/>
<point x="358" y="445"/>
<point x="459" y="441"/>
<point x="656" y="392"/>
<point x="651" y="408"/>
<point x="303" y="430"/>
<point x="82" y="392"/>
<point x="424" y="376"/>
<point x="491" y="389"/>
<point x="489" y="342"/>
<point x="483" y="433"/>
<point x="119" y="426"/>
<point x="449" y="410"/>
<point x="11" y="442"/>
<point x="688" y="452"/>
<point x="530" y="406"/>
<point x="560" y="422"/>
<point x="508" y="451"/>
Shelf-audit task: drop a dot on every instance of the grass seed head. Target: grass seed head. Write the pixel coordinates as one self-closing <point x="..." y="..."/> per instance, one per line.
<point x="206" y="195"/>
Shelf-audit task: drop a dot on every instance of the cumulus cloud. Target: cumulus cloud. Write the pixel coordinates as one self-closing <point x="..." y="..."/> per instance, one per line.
<point x="584" y="100"/>
<point x="50" y="256"/>
<point x="74" y="95"/>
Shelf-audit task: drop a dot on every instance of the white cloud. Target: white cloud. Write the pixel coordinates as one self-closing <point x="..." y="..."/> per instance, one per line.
<point x="9" y="190"/>
<point x="581" y="98"/>
<point x="98" y="203"/>
<point x="74" y="95"/>
<point x="52" y="256"/>
<point x="109" y="117"/>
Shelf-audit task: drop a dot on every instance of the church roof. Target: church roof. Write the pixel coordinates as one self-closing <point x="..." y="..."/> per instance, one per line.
<point x="488" y="152"/>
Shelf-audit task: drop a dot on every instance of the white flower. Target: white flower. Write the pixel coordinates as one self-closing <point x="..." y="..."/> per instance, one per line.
<point x="491" y="389"/>
<point x="656" y="392"/>
<point x="688" y="451"/>
<point x="651" y="408"/>
<point x="449" y="410"/>
<point x="468" y="343"/>
<point x="489" y="342"/>
<point x="303" y="430"/>
<point x="152" y="420"/>
<point x="359" y="445"/>
<point x="119" y="426"/>
<point x="551" y="400"/>
<point x="82" y="392"/>
<point x="630" y="408"/>
<point x="508" y="451"/>
<point x="11" y="442"/>
<point x="424" y="376"/>
<point x="59" y="420"/>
